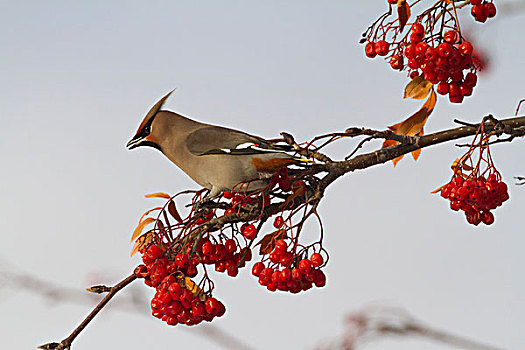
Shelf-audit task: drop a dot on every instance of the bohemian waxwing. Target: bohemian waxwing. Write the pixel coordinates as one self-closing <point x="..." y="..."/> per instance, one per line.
<point x="215" y="157"/>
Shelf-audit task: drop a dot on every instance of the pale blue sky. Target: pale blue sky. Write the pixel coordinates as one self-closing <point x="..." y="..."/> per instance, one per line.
<point x="78" y="77"/>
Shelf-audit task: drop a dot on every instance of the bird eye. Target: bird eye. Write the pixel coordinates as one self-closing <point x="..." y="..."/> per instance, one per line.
<point x="146" y="129"/>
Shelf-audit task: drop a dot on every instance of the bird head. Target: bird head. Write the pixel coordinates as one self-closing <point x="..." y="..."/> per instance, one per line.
<point x="145" y="135"/>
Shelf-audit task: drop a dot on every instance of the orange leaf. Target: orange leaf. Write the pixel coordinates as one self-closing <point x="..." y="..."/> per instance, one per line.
<point x="141" y="242"/>
<point x="418" y="88"/>
<point x="140" y="227"/>
<point x="158" y="195"/>
<point x="403" y="13"/>
<point x="412" y="126"/>
<point x="173" y="211"/>
<point x="438" y="189"/>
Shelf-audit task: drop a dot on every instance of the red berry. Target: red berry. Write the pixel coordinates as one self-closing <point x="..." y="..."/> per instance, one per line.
<point x="257" y="268"/>
<point x="250" y="232"/>
<point x="431" y="53"/>
<point x="475" y="2"/>
<point x="490" y="9"/>
<point x="230" y="245"/>
<point x="421" y="49"/>
<point x="451" y="37"/>
<point x="305" y="266"/>
<point x="232" y="270"/>
<point x="370" y="52"/>
<point x="212" y="306"/>
<point x="153" y="252"/>
<point x="413" y="63"/>
<point x="466" y="90"/>
<point x="230" y="211"/>
<point x="396" y="62"/>
<point x="456" y="76"/>
<point x="316" y="259"/>
<point x="227" y="195"/>
<point x="466" y="48"/>
<point x="286" y="259"/>
<point x="281" y="246"/>
<point x="297" y="275"/>
<point x="382" y="47"/>
<point x="455" y="98"/>
<point x="418" y="28"/>
<point x="208" y="248"/>
<point x="479" y="13"/>
<point x="416" y="37"/>
<point x="319" y="279"/>
<point x="278" y="222"/>
<point x="181" y="260"/>
<point x="220" y="252"/>
<point x="175" y="290"/>
<point x="410" y="51"/>
<point x="471" y="79"/>
<point x="444" y="49"/>
<point x="453" y="90"/>
<point x="442" y="88"/>
<point x="487" y="218"/>
<point x="286" y="275"/>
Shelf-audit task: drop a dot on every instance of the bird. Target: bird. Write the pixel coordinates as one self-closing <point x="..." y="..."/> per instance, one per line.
<point x="218" y="158"/>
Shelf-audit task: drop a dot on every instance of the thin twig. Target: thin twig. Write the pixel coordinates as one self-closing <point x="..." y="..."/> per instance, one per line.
<point x="66" y="343"/>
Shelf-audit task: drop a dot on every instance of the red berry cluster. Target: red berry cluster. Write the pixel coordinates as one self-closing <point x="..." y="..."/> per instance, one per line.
<point x="432" y="48"/>
<point x="226" y="257"/>
<point x="295" y="276"/>
<point x="481" y="10"/>
<point x="444" y="64"/>
<point x="178" y="299"/>
<point x="476" y="196"/>
<point x="174" y="303"/>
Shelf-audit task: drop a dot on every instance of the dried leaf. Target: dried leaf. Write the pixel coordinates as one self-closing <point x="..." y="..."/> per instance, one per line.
<point x="412" y="126"/>
<point x="403" y="13"/>
<point x="140" y="227"/>
<point x="173" y="211"/>
<point x="158" y="195"/>
<point x="141" y="242"/>
<point x="268" y="241"/>
<point x="294" y="195"/>
<point x="418" y="88"/>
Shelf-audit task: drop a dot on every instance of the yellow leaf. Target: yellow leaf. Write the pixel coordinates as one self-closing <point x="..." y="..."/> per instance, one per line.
<point x="140" y="227"/>
<point x="141" y="242"/>
<point x="190" y="285"/>
<point x="403" y="13"/>
<point x="158" y="195"/>
<point x="418" y="88"/>
<point x="412" y="126"/>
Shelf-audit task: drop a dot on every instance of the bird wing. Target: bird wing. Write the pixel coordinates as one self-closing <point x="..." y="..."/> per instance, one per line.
<point x="219" y="140"/>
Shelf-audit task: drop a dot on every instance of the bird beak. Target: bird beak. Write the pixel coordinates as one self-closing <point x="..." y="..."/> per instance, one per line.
<point x="135" y="142"/>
